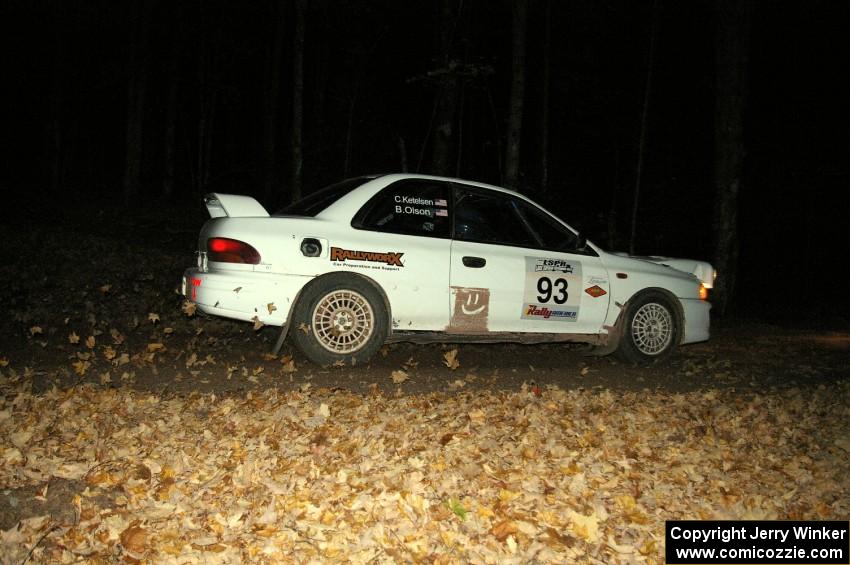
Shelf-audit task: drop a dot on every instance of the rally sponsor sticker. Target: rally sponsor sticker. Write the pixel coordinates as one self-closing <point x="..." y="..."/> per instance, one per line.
<point x="552" y="290"/>
<point x="389" y="260"/>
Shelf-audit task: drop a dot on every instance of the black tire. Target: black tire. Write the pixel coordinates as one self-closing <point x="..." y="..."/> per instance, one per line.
<point x="651" y="329"/>
<point x="339" y="319"/>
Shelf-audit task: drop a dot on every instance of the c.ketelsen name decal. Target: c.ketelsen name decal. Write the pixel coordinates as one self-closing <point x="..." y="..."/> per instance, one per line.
<point x="389" y="257"/>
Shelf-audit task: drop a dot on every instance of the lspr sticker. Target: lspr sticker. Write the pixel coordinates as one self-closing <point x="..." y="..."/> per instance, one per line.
<point x="552" y="290"/>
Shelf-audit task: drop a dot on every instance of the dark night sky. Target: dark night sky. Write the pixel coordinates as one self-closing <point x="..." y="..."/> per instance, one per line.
<point x="68" y="60"/>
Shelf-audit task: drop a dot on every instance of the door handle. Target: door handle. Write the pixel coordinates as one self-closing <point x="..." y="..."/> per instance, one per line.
<point x="474" y="262"/>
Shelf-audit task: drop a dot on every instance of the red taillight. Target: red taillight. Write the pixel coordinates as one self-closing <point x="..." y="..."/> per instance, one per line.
<point x="227" y="250"/>
<point x="196" y="282"/>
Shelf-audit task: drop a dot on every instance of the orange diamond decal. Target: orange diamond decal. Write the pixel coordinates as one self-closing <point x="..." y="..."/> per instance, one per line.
<point x="595" y="291"/>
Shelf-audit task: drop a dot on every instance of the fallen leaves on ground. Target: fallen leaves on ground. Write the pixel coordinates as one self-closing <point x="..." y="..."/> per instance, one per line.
<point x="399" y="376"/>
<point x="189" y="308"/>
<point x="450" y="359"/>
<point x="491" y="477"/>
<point x="288" y="364"/>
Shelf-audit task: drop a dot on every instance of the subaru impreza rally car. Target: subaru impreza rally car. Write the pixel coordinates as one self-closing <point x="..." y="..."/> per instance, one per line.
<point x="405" y="257"/>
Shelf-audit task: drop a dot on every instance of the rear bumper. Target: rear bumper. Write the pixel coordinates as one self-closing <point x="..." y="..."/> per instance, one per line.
<point x="243" y="295"/>
<point x="697" y="320"/>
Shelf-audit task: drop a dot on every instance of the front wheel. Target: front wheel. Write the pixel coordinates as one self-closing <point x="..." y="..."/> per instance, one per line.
<point x="339" y="320"/>
<point x="651" y="331"/>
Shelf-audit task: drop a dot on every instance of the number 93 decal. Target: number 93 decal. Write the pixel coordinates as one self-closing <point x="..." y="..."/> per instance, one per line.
<point x="546" y="287"/>
<point x="548" y="290"/>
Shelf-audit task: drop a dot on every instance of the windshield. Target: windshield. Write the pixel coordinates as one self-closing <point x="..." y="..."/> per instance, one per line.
<point x="314" y="203"/>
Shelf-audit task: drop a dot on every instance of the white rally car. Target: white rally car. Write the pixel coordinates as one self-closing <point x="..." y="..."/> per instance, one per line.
<point x="417" y="258"/>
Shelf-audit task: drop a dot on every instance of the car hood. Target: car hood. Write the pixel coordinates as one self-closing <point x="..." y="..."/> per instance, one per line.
<point x="702" y="270"/>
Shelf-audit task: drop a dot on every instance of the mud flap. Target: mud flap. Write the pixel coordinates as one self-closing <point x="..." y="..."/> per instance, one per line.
<point x="284" y="330"/>
<point x="615" y="333"/>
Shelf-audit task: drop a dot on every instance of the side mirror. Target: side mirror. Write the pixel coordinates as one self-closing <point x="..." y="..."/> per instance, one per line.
<point x="581" y="242"/>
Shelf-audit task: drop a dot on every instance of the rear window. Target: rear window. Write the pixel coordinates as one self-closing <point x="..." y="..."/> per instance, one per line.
<point x="411" y="207"/>
<point x="314" y="203"/>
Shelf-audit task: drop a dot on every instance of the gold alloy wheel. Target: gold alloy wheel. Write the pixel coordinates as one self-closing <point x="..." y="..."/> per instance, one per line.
<point x="343" y="321"/>
<point x="652" y="328"/>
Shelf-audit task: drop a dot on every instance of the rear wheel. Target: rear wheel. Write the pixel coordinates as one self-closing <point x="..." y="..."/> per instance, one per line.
<point x="651" y="330"/>
<point x="339" y="320"/>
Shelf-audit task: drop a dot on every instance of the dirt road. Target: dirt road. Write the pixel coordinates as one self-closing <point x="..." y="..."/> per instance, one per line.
<point x="132" y="430"/>
<point x="104" y="309"/>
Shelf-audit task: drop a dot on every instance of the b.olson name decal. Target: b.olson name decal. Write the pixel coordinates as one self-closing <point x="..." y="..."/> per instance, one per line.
<point x="390" y="257"/>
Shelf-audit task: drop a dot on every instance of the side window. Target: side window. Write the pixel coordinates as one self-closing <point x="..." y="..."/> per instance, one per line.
<point x="498" y="218"/>
<point x="490" y="217"/>
<point x="550" y="232"/>
<point x="410" y="207"/>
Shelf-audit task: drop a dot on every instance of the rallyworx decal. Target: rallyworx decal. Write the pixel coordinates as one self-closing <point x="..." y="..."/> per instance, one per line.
<point x="552" y="290"/>
<point x="390" y="258"/>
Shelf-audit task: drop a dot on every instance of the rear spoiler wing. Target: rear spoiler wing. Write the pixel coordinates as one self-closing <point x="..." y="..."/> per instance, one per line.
<point x="233" y="206"/>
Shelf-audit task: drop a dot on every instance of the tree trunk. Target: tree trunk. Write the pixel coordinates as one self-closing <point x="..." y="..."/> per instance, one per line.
<point x="136" y="85"/>
<point x="271" y="106"/>
<point x="512" y="149"/>
<point x="354" y="93"/>
<point x="544" y="100"/>
<point x="447" y="93"/>
<point x="647" y="92"/>
<point x="349" y="130"/>
<point x="208" y="69"/>
<point x="459" y="143"/>
<point x="497" y="132"/>
<point x="298" y="99"/>
<point x="205" y="135"/>
<point x="731" y="61"/>
<point x="54" y="126"/>
<point x="402" y="153"/>
<point x="169" y="140"/>
<point x="615" y="190"/>
<point x="320" y="53"/>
